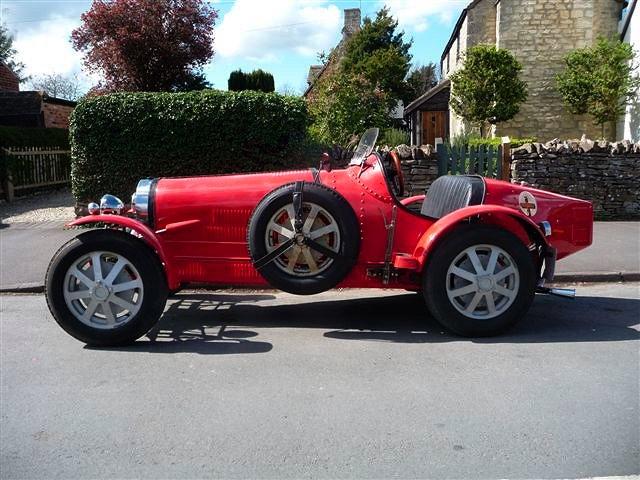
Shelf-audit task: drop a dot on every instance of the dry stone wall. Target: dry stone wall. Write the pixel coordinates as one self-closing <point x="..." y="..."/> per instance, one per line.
<point x="419" y="166"/>
<point x="604" y="173"/>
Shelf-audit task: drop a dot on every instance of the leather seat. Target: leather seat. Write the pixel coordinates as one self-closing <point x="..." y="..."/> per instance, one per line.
<point x="452" y="192"/>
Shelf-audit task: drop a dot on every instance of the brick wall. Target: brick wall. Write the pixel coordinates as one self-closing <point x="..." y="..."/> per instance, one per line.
<point x="540" y="33"/>
<point x="56" y="116"/>
<point x="8" y="81"/>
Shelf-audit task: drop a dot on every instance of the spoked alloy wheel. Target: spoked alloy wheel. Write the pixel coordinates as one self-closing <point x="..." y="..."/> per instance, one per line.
<point x="106" y="287"/>
<point x="303" y="260"/>
<point x="103" y="290"/>
<point x="482" y="281"/>
<point x="479" y="280"/>
<point x="303" y="238"/>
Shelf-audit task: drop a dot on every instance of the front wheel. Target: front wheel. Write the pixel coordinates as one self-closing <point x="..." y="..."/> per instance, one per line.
<point x="479" y="281"/>
<point x="106" y="287"/>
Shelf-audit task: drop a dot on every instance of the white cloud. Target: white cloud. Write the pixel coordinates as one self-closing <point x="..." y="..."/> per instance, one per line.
<point x="46" y="48"/>
<point x="417" y="15"/>
<point x="267" y="30"/>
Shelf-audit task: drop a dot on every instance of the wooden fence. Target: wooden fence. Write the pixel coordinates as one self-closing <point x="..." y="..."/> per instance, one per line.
<point x="33" y="167"/>
<point x="488" y="161"/>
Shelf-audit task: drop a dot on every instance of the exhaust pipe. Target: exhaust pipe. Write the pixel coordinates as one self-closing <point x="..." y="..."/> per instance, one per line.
<point x="558" y="292"/>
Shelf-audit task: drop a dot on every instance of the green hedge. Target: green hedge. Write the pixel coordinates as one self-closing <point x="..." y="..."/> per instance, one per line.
<point x="34" y="137"/>
<point x="120" y="138"/>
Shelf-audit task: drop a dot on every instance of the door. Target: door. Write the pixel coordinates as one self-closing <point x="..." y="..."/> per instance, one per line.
<point x="434" y="125"/>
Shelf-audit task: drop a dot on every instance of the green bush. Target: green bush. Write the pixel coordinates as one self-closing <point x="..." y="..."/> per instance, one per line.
<point x="120" y="138"/>
<point x="394" y="137"/>
<point x="34" y="137"/>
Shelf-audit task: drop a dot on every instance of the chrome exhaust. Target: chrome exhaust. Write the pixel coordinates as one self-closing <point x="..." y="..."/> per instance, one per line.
<point x="559" y="292"/>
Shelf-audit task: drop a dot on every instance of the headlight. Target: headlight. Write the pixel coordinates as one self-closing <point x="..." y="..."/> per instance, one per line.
<point x="140" y="199"/>
<point x="111" y="204"/>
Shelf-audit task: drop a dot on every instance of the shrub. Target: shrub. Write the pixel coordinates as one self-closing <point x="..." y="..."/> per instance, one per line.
<point x="120" y="138"/>
<point x="487" y="88"/>
<point x="599" y="80"/>
<point x="256" y="80"/>
<point x="346" y="105"/>
<point x="393" y="137"/>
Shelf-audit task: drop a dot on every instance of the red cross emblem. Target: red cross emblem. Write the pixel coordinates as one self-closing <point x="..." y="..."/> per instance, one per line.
<point x="528" y="204"/>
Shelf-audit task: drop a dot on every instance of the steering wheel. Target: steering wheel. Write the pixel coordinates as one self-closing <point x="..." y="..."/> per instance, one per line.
<point x="397" y="177"/>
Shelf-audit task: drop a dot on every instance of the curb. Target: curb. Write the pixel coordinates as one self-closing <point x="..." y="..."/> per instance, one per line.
<point x="587" y="277"/>
<point x="23" y="288"/>
<point x="596" y="277"/>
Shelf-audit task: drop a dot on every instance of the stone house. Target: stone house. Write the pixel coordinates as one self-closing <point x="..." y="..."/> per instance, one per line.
<point x="629" y="126"/>
<point x="34" y="109"/>
<point x="539" y="33"/>
<point x="352" y="21"/>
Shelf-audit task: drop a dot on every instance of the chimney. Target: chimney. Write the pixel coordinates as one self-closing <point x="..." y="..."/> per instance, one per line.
<point x="351" y="22"/>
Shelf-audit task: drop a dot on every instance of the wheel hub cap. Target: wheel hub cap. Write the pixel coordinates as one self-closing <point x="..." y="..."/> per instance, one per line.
<point x="101" y="292"/>
<point x="299" y="239"/>
<point x="482" y="282"/>
<point x="485" y="283"/>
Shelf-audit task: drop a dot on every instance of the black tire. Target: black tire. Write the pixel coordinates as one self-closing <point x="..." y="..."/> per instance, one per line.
<point x="347" y="224"/>
<point x="435" y="280"/>
<point x="139" y="255"/>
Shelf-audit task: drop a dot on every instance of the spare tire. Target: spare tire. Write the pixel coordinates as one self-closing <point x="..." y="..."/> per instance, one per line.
<point x="318" y="254"/>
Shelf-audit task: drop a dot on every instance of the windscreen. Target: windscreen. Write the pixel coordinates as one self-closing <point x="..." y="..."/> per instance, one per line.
<point x="365" y="147"/>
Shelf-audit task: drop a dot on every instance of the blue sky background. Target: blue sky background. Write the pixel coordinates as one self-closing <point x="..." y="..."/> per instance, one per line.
<point x="280" y="36"/>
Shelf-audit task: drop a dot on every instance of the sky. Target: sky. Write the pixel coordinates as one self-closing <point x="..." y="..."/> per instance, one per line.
<point x="279" y="36"/>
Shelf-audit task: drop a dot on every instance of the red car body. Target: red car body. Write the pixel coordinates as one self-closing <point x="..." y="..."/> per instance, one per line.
<point x="198" y="226"/>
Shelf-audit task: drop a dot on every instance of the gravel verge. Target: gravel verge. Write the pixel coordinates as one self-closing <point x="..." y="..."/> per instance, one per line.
<point x="42" y="207"/>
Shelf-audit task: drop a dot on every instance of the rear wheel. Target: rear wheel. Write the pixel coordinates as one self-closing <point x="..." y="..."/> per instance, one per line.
<point x="480" y="281"/>
<point x="106" y="287"/>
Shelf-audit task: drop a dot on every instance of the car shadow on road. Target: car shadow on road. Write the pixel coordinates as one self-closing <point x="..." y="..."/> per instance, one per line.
<point x="198" y="326"/>
<point x="401" y="318"/>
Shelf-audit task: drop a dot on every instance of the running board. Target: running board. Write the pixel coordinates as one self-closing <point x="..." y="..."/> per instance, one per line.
<point x="559" y="292"/>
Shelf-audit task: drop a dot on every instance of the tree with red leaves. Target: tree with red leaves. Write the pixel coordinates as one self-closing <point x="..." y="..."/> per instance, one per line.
<point x="147" y="45"/>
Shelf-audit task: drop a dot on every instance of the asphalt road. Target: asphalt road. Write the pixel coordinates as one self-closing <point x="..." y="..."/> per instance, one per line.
<point x="343" y="384"/>
<point x="26" y="249"/>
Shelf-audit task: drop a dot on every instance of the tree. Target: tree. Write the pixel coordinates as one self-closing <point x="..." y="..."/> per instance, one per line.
<point x="487" y="88"/>
<point x="381" y="55"/>
<point x="289" y="90"/>
<point x="7" y="54"/>
<point x="147" y="45"/>
<point x="345" y="105"/>
<point x="599" y="80"/>
<point x="58" y="86"/>
<point x="256" y="80"/>
<point x="421" y="79"/>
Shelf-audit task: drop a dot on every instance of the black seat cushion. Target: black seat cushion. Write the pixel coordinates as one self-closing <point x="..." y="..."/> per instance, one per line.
<point x="452" y="192"/>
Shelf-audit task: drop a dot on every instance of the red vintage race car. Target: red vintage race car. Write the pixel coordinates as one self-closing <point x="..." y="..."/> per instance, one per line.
<point x="476" y="248"/>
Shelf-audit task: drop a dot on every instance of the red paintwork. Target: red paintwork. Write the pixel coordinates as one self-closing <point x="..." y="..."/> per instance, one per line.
<point x="201" y="224"/>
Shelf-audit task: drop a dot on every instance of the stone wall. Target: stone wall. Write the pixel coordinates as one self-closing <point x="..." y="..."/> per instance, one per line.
<point x="419" y="166"/>
<point x="540" y="33"/>
<point x="605" y="174"/>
